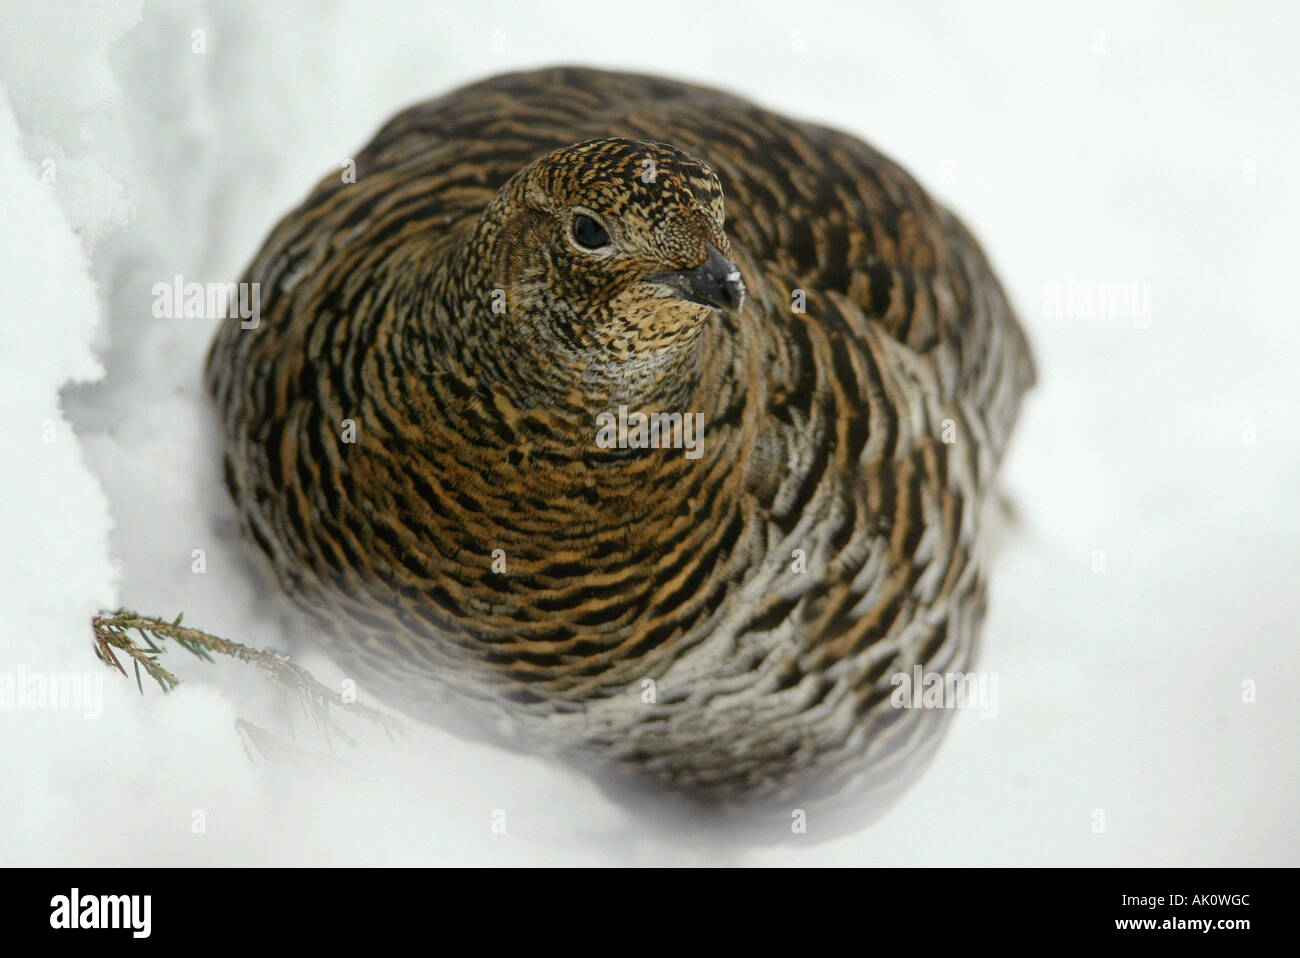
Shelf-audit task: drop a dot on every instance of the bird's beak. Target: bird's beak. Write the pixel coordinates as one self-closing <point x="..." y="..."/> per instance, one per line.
<point x="715" y="282"/>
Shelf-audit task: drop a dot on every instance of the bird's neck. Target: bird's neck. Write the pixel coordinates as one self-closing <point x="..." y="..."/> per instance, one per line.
<point x="461" y="323"/>
<point x="610" y="450"/>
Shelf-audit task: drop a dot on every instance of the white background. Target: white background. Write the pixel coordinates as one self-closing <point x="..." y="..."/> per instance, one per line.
<point x="1087" y="143"/>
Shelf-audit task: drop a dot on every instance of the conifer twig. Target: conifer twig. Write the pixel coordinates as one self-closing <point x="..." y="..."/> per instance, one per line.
<point x="112" y="631"/>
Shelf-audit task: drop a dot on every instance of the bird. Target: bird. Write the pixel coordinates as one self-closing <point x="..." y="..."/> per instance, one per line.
<point x="622" y="419"/>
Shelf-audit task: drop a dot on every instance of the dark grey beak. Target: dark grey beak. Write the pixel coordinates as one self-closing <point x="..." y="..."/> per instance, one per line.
<point x="715" y="282"/>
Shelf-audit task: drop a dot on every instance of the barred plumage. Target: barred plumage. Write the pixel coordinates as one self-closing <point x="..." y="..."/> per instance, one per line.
<point x="475" y="429"/>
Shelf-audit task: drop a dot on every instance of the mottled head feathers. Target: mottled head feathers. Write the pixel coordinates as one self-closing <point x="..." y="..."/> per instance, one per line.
<point x="609" y="252"/>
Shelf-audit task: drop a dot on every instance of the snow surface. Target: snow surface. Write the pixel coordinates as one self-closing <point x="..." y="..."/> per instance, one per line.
<point x="1097" y="143"/>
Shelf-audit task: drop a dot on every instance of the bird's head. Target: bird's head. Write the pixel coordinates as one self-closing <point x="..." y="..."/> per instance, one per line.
<point x="612" y="250"/>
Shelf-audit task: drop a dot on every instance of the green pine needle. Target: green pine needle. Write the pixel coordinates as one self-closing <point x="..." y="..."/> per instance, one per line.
<point x="112" y="633"/>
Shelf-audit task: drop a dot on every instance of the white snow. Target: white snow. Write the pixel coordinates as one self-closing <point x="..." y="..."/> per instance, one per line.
<point x="1097" y="144"/>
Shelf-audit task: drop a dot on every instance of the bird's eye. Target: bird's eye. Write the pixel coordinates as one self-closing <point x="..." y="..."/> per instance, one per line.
<point x="587" y="233"/>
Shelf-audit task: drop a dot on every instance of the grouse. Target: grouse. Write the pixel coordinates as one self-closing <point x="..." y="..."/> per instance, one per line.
<point x="628" y="420"/>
